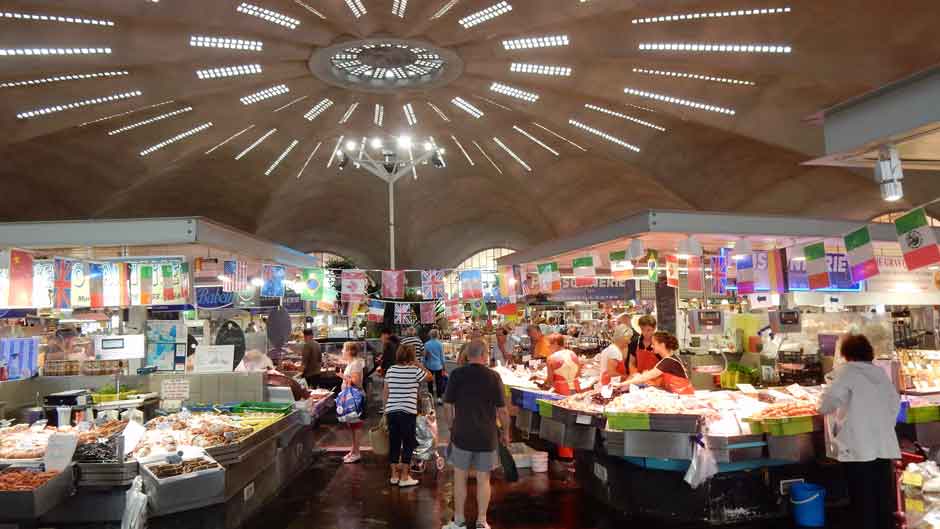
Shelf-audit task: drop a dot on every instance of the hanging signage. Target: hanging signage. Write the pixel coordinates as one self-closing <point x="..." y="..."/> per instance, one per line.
<point x="605" y="290"/>
<point x="840" y="275"/>
<point x="213" y="298"/>
<point x="895" y="277"/>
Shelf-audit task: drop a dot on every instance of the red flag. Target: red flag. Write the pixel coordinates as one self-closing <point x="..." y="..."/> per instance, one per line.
<point x="353" y="285"/>
<point x="393" y="284"/>
<point x="508" y="309"/>
<point x="428" y="313"/>
<point x="672" y="271"/>
<point x="696" y="283"/>
<point x="21" y="278"/>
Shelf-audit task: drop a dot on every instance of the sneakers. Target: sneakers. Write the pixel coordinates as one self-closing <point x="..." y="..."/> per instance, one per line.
<point x="454" y="525"/>
<point x="351" y="458"/>
<point x="393" y="481"/>
<point x="410" y="482"/>
<point x="482" y="525"/>
<point x="440" y="401"/>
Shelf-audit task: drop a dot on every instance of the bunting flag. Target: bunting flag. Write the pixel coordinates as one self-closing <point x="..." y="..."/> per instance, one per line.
<point x="43" y="279"/>
<point x="549" y="278"/>
<point x="778" y="271"/>
<point x="81" y="289"/>
<point x="393" y="284"/>
<point x="508" y="283"/>
<point x="432" y="284"/>
<point x="453" y="309"/>
<point x="428" y="313"/>
<point x="478" y="308"/>
<point x="353" y="285"/>
<point x="96" y="285"/>
<point x="471" y="284"/>
<point x="719" y="275"/>
<point x="817" y="269"/>
<point x="745" y="267"/>
<point x="185" y="282"/>
<point x="376" y="311"/>
<point x="241" y="276"/>
<point x="621" y="268"/>
<point x="124" y="284"/>
<point x="695" y="282"/>
<point x="4" y="278"/>
<point x="312" y="284"/>
<point x="672" y="271"/>
<point x="62" y="283"/>
<point x="273" y="276"/>
<point x="228" y="275"/>
<point x="861" y="254"/>
<point x="507" y="309"/>
<point x="652" y="266"/>
<point x="583" y="271"/>
<point x="168" y="281"/>
<point x="21" y="279"/>
<point x="403" y="314"/>
<point x="918" y="243"/>
<point x="145" y="282"/>
<point x="110" y="284"/>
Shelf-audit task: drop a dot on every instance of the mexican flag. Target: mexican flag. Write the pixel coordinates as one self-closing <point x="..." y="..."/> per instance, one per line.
<point x="672" y="271"/>
<point x="817" y="269"/>
<point x="583" y="271"/>
<point x="917" y="240"/>
<point x="861" y="255"/>
<point x="549" y="278"/>
<point x="621" y="268"/>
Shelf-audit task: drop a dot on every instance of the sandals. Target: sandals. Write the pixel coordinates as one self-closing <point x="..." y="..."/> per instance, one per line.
<point x="410" y="482"/>
<point x="393" y="481"/>
<point x="352" y="458"/>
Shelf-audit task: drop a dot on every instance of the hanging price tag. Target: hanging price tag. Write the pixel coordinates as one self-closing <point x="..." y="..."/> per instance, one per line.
<point x="583" y="419"/>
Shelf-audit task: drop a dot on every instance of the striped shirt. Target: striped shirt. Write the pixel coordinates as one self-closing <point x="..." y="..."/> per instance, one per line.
<point x="416" y="343"/>
<point x="402" y="382"/>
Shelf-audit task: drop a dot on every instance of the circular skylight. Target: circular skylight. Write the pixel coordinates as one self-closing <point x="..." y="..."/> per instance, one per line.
<point x="385" y="64"/>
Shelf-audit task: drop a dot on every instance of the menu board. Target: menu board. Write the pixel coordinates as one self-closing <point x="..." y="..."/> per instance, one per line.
<point x="666" y="306"/>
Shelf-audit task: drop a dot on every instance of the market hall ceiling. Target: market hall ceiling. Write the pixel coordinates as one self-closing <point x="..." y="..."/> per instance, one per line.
<point x="555" y="115"/>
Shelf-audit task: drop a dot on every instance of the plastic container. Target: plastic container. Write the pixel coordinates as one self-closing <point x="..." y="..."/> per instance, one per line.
<point x="539" y="462"/>
<point x="268" y="407"/>
<point x="921" y="414"/>
<point x="790" y="426"/>
<point x="545" y="408"/>
<point x="809" y="504"/>
<point x="628" y="421"/>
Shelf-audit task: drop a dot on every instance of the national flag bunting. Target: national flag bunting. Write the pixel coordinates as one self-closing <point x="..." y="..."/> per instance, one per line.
<point x="695" y="281"/>
<point x="228" y="276"/>
<point x="169" y="292"/>
<point x="21" y="279"/>
<point x="672" y="271"/>
<point x="43" y="279"/>
<point x="583" y="271"/>
<point x="745" y="267"/>
<point x="81" y="290"/>
<point x="549" y="278"/>
<point x="353" y="285"/>
<point x="145" y="280"/>
<point x="312" y="284"/>
<point x="403" y="314"/>
<point x="918" y="243"/>
<point x="454" y="309"/>
<point x="478" y="308"/>
<point x="62" y="283"/>
<point x="817" y="269"/>
<point x="428" y="313"/>
<point x="393" y="284"/>
<point x="432" y="284"/>
<point x="621" y="268"/>
<point x="861" y="254"/>
<point x="508" y="283"/>
<point x="96" y="285"/>
<point x="376" y="311"/>
<point x="652" y="265"/>
<point x="507" y="309"/>
<point x="719" y="275"/>
<point x="778" y="271"/>
<point x="471" y="284"/>
<point x="273" y="276"/>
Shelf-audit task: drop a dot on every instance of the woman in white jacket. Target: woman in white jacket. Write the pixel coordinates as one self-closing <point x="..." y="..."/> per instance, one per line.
<point x="862" y="407"/>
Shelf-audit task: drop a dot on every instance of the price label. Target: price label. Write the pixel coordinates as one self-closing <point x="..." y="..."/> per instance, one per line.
<point x="747" y="388"/>
<point x="607" y="392"/>
<point x="59" y="451"/>
<point x="175" y="389"/>
<point x="583" y="419"/>
<point x="912" y="479"/>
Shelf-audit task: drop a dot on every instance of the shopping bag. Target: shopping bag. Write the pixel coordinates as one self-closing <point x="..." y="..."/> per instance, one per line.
<point x="703" y="464"/>
<point x="378" y="438"/>
<point x="350" y="405"/>
<point x="510" y="472"/>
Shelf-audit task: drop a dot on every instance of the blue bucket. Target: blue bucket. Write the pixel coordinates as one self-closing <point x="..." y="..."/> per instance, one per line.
<point x="809" y="504"/>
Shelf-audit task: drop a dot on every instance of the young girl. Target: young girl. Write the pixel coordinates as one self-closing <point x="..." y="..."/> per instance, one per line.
<point x="670" y="368"/>
<point x="352" y="376"/>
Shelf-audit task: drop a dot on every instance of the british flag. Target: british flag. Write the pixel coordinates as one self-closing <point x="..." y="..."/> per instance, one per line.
<point x="403" y="314"/>
<point x="432" y="284"/>
<point x="62" y="283"/>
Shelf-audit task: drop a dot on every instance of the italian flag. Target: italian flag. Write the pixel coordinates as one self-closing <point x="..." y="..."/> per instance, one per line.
<point x="917" y="240"/>
<point x="816" y="267"/>
<point x="583" y="271"/>
<point x="861" y="254"/>
<point x="549" y="277"/>
<point x="621" y="268"/>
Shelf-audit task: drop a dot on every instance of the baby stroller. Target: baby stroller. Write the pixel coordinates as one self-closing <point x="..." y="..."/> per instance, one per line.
<point x="426" y="434"/>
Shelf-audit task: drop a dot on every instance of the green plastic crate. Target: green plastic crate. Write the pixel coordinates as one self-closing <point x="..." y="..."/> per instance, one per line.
<point x="922" y="414"/>
<point x="789" y="426"/>
<point x="545" y="408"/>
<point x="628" y="421"/>
<point x="267" y="407"/>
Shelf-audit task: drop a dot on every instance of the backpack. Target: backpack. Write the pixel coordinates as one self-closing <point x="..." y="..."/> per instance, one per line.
<point x="349" y="405"/>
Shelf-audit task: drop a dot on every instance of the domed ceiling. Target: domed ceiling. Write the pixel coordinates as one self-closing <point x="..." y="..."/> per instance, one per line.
<point x="554" y="115"/>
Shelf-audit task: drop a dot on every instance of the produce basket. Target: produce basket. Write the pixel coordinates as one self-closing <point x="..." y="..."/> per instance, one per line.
<point x="184" y="492"/>
<point x="269" y="407"/>
<point x="627" y="421"/>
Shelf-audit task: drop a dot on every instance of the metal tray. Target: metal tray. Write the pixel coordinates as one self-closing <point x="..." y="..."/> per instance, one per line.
<point x="664" y="445"/>
<point x="30" y="505"/>
<point x="528" y="422"/>
<point x="183" y="493"/>
<point x="106" y="474"/>
<point x="234" y="453"/>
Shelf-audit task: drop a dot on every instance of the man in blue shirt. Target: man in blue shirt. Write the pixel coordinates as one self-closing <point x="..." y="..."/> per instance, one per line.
<point x="434" y="362"/>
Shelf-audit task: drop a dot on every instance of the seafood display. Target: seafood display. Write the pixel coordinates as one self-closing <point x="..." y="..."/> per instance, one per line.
<point x="787" y="409"/>
<point x="189" y="466"/>
<point x="205" y="430"/>
<point x="23" y="479"/>
<point x="23" y="441"/>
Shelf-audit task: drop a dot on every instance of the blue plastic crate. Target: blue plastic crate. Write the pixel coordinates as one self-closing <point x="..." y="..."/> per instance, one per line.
<point x="529" y="399"/>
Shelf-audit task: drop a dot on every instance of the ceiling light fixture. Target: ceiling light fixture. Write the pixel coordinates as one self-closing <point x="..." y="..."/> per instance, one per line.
<point x="349" y="112"/>
<point x="699" y="77"/>
<point x="356" y="7"/>
<point x="548" y="41"/>
<point x="467" y="107"/>
<point x="280" y="158"/>
<point x="399" y="7"/>
<point x="410" y="114"/>
<point x="712" y="14"/>
<point x="889" y="173"/>
<point x="444" y="9"/>
<point x="511" y="153"/>
<point x="602" y="134"/>
<point x="336" y="151"/>
<point x="310" y="9"/>
<point x="174" y="139"/>
<point x="487" y="156"/>
<point x="232" y="137"/>
<point x="376" y="143"/>
<point x="494" y="103"/>
<point x="228" y="71"/>
<point x="257" y="142"/>
<point x="77" y="104"/>
<point x="149" y="121"/>
<point x="51" y="18"/>
<point x="266" y="14"/>
<point x="464" y="151"/>
<point x="379" y="115"/>
<point x="437" y="158"/>
<point x="679" y="101"/>
<point x="491" y="12"/>
<point x="535" y="140"/>
<point x="540" y="69"/>
<point x="438" y="111"/>
<point x="714" y="48"/>
<point x="559" y="136"/>
<point x="404" y="142"/>
<point x="318" y="109"/>
<point x="63" y="77"/>
<point x="306" y="163"/>
<point x="200" y="41"/>
<point x="624" y="116"/>
<point x="290" y="103"/>
<point x="267" y="93"/>
<point x="112" y="116"/>
<point x="11" y="52"/>
<point x="511" y="91"/>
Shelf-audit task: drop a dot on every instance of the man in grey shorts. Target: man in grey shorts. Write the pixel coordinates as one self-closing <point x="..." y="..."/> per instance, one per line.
<point x="474" y="399"/>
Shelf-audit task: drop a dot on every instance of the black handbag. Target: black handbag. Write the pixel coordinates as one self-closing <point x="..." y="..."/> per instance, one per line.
<point x="510" y="472"/>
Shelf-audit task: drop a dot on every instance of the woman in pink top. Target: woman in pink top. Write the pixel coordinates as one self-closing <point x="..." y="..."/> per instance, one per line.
<point x="564" y="367"/>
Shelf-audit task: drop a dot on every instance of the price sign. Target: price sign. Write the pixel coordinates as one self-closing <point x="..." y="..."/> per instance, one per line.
<point x="607" y="392"/>
<point x="60" y="450"/>
<point x="912" y="479"/>
<point x="583" y="419"/>
<point x="747" y="388"/>
<point x="175" y="389"/>
<point x="797" y="391"/>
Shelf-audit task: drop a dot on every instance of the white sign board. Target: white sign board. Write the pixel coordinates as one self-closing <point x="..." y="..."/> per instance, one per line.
<point x="60" y="450"/>
<point x="214" y="358"/>
<point x="174" y="389"/>
<point x="119" y="347"/>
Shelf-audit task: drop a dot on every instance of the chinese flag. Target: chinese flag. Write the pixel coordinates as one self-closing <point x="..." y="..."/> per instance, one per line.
<point x="21" y="278"/>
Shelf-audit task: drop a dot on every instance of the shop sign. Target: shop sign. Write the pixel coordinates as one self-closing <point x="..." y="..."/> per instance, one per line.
<point x="213" y="298"/>
<point x="292" y="302"/>
<point x="603" y="290"/>
<point x="895" y="277"/>
<point x="840" y="277"/>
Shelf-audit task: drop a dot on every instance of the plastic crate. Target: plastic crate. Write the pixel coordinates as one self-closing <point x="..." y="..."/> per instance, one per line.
<point x="268" y="407"/>
<point x="921" y="414"/>
<point x="545" y="408"/>
<point x="628" y="421"/>
<point x="675" y="423"/>
<point x="530" y="399"/>
<point x="516" y="397"/>
<point x="789" y="426"/>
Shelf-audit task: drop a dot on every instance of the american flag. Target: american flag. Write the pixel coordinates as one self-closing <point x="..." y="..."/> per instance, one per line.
<point x="403" y="314"/>
<point x="432" y="284"/>
<point x="241" y="276"/>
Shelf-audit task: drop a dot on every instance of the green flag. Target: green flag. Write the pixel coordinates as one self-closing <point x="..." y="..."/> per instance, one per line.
<point x="313" y="284"/>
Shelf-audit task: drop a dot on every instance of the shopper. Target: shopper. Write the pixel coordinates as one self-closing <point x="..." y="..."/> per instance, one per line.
<point x="352" y="377"/>
<point x="641" y="356"/>
<point x="401" y="412"/>
<point x="476" y="335"/>
<point x="411" y="338"/>
<point x="539" y="345"/>
<point x="502" y="349"/>
<point x="390" y="344"/>
<point x="862" y="407"/>
<point x="311" y="360"/>
<point x="434" y="362"/>
<point x="564" y="367"/>
<point x="612" y="358"/>
<point x="474" y="399"/>
<point x="674" y="377"/>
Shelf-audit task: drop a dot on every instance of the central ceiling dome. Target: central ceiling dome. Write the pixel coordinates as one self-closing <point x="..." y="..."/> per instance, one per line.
<point x="386" y="64"/>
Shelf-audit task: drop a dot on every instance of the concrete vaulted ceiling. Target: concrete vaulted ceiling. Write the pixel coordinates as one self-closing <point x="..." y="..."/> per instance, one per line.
<point x="64" y="164"/>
